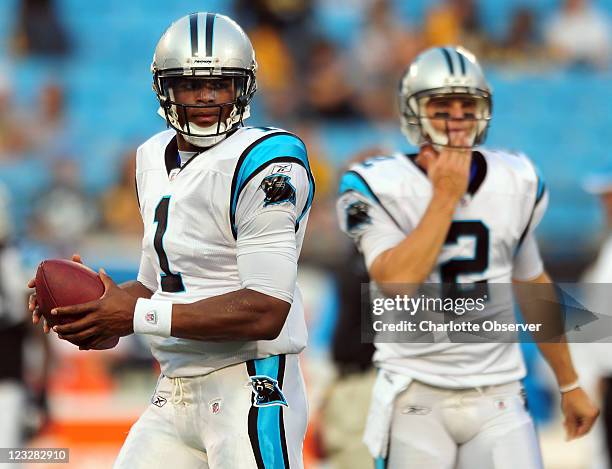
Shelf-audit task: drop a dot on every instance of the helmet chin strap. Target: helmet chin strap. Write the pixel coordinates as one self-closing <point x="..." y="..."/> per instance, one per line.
<point x="441" y="140"/>
<point x="204" y="140"/>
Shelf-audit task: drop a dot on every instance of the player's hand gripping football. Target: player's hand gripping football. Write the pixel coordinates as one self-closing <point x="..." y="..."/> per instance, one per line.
<point x="579" y="412"/>
<point x="33" y="305"/>
<point x="448" y="170"/>
<point x="110" y="316"/>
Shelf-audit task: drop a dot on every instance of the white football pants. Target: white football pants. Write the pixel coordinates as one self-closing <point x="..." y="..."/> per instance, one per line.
<point x="249" y="415"/>
<point x="485" y="428"/>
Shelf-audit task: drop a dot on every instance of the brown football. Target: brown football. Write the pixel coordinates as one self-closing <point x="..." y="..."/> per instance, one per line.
<point x="60" y="282"/>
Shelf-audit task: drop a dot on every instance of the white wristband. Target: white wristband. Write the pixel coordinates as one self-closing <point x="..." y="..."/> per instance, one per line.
<point x="569" y="387"/>
<point x="153" y="317"/>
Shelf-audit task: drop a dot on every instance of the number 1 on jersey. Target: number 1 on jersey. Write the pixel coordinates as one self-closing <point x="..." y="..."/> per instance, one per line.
<point x="170" y="282"/>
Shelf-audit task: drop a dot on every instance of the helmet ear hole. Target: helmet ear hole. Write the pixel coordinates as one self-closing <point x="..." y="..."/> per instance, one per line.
<point x="243" y="101"/>
<point x="164" y="101"/>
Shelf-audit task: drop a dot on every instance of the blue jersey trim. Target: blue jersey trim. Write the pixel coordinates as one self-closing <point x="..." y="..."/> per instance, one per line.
<point x="278" y="146"/>
<point x="541" y="186"/>
<point x="353" y="181"/>
<point x="541" y="190"/>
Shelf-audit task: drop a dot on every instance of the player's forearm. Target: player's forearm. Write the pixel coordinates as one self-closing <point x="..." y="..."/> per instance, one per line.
<point x="236" y="316"/>
<point x="558" y="357"/>
<point x="550" y="314"/>
<point x="136" y="289"/>
<point x="414" y="258"/>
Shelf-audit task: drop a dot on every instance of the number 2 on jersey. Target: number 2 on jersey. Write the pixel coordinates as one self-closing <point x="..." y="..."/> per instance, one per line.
<point x="450" y="270"/>
<point x="170" y="282"/>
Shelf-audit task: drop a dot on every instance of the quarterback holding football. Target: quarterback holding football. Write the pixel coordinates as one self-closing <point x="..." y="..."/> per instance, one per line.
<point x="224" y="208"/>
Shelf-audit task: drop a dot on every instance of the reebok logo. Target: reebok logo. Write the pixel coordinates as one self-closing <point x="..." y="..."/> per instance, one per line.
<point x="158" y="401"/>
<point x="281" y="168"/>
<point x="415" y="410"/>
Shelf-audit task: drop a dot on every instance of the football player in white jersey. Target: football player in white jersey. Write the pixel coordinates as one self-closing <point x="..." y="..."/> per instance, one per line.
<point x="224" y="208"/>
<point x="455" y="213"/>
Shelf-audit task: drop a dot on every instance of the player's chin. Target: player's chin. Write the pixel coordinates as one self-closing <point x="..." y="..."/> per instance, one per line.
<point x="461" y="138"/>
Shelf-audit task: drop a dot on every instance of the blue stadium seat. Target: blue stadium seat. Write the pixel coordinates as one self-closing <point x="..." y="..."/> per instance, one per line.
<point x="561" y="120"/>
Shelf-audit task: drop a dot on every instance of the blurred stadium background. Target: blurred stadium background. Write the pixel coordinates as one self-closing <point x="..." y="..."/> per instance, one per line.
<point x="76" y="100"/>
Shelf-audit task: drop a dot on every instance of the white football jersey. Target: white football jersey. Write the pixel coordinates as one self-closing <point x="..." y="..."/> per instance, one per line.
<point x="490" y="239"/>
<point x="192" y="223"/>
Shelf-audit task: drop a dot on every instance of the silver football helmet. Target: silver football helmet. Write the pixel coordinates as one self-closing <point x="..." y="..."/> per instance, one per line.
<point x="204" y="46"/>
<point x="443" y="72"/>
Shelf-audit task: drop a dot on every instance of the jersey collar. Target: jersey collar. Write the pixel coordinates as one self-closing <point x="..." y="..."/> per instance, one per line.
<point x="171" y="154"/>
<point x="478" y="172"/>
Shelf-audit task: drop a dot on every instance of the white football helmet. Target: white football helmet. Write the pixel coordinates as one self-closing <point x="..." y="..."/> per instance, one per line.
<point x="443" y="72"/>
<point x="207" y="46"/>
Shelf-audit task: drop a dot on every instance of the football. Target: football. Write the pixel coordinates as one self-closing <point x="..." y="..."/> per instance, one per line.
<point x="62" y="282"/>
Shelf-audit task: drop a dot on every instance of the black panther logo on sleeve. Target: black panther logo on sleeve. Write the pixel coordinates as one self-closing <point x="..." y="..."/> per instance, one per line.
<point x="266" y="392"/>
<point x="357" y="215"/>
<point x="278" y="189"/>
